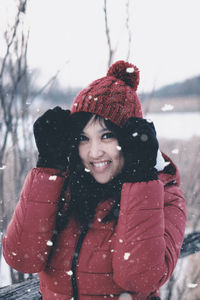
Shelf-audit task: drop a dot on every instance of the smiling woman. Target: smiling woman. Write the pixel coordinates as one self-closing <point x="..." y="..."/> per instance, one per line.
<point x="102" y="215"/>
<point x="100" y="152"/>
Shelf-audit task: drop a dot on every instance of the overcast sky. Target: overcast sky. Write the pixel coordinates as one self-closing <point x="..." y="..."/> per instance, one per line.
<point x="70" y="34"/>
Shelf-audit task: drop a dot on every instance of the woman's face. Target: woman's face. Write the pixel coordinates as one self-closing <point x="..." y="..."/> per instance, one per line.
<point x="100" y="152"/>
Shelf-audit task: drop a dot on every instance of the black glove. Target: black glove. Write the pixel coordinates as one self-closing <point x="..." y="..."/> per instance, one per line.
<point x="140" y="150"/>
<point x="51" y="132"/>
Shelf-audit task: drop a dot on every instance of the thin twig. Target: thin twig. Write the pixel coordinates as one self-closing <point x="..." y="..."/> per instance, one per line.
<point x="128" y="30"/>
<point x="108" y="34"/>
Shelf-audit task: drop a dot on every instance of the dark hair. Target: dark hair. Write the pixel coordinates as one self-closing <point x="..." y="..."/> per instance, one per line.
<point x="84" y="192"/>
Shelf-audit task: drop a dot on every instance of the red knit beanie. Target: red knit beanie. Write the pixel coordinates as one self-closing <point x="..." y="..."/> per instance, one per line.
<point x="112" y="97"/>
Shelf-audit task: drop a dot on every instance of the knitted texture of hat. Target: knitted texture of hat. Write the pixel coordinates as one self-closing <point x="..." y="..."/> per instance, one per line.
<point x="112" y="97"/>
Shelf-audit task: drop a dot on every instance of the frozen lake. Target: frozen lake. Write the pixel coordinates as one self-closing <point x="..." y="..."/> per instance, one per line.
<point x="176" y="125"/>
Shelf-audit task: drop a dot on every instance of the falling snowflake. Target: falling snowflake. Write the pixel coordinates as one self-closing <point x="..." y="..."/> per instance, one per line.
<point x="130" y="70"/>
<point x="49" y="243"/>
<point x="167" y="107"/>
<point x="144" y="137"/>
<point x="53" y="177"/>
<point x="126" y="255"/>
<point x="95" y="99"/>
<point x="175" y="151"/>
<point x="119" y="148"/>
<point x="87" y="170"/>
<point x="192" y="285"/>
<point x="70" y="273"/>
<point x="134" y="134"/>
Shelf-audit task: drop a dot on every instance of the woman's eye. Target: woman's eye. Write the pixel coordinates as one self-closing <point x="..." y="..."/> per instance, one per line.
<point x="108" y="135"/>
<point x="83" y="138"/>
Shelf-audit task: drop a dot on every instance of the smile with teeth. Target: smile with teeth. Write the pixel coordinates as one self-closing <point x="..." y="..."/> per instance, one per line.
<point x="100" y="164"/>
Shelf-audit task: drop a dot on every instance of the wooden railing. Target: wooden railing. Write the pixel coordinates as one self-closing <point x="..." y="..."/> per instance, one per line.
<point x="26" y="290"/>
<point x="29" y="289"/>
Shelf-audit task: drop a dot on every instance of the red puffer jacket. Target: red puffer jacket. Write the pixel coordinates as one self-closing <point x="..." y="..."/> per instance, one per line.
<point x="137" y="256"/>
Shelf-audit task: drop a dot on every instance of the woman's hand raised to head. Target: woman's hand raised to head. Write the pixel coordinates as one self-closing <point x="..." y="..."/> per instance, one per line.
<point x="51" y="132"/>
<point x="140" y="150"/>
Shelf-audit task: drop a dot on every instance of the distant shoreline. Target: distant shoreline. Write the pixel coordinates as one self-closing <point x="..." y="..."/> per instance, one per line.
<point x="180" y="104"/>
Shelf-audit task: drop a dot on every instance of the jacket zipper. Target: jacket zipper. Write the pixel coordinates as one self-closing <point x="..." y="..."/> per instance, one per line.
<point x="75" y="261"/>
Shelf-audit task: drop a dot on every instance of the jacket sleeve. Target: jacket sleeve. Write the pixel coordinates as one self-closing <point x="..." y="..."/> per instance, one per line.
<point x="149" y="235"/>
<point x="27" y="241"/>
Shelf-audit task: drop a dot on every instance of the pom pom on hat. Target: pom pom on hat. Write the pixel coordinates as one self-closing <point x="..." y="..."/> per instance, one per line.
<point x="126" y="72"/>
<point x="112" y="97"/>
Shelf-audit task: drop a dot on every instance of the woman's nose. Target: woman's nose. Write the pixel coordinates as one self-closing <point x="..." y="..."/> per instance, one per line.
<point x="96" y="150"/>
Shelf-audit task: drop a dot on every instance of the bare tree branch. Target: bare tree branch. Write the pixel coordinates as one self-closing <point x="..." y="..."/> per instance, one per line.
<point x="111" y="51"/>
<point x="128" y="30"/>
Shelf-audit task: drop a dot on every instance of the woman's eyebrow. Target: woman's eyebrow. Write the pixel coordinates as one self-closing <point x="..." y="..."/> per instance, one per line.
<point x="103" y="129"/>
